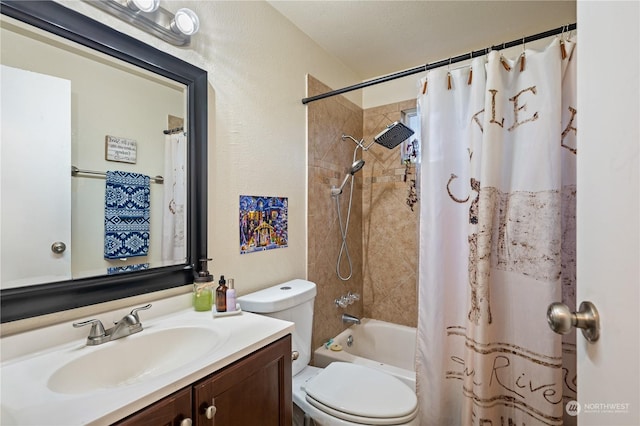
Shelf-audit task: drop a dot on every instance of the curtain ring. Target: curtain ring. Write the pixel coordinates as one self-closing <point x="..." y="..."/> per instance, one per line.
<point x="503" y="61"/>
<point x="523" y="56"/>
<point x="426" y="79"/>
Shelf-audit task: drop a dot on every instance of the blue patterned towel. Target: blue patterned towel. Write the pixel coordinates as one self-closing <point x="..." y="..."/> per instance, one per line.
<point x="112" y="270"/>
<point x="126" y="215"/>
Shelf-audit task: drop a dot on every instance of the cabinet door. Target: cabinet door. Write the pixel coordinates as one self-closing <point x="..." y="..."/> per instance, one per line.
<point x="254" y="391"/>
<point x="171" y="411"/>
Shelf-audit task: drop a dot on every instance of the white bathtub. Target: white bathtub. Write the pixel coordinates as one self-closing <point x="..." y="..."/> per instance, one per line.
<point x="382" y="345"/>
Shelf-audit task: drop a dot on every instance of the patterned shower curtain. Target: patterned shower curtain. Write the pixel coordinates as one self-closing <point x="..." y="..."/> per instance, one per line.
<point x="497" y="239"/>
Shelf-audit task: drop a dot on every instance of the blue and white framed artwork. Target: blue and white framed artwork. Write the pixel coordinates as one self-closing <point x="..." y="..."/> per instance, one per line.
<point x="263" y="223"/>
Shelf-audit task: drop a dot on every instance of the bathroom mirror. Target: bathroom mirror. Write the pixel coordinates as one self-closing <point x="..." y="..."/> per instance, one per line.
<point x="160" y="78"/>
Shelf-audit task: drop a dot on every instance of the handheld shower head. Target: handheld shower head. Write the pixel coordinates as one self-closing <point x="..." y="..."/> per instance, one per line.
<point x="355" y="168"/>
<point x="393" y="135"/>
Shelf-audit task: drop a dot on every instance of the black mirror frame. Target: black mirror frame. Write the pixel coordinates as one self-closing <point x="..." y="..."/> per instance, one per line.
<point x="31" y="301"/>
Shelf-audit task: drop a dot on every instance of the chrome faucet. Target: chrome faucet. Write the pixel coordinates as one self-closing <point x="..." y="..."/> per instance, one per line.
<point x="128" y="325"/>
<point x="350" y="319"/>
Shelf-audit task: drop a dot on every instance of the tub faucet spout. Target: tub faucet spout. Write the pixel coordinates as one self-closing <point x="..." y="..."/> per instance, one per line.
<point x="350" y="319"/>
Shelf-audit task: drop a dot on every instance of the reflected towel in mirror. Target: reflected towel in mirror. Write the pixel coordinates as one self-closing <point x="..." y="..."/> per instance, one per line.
<point x="126" y="215"/>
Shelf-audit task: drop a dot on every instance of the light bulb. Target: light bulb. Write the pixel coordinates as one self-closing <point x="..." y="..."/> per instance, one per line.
<point x="144" y="5"/>
<point x="185" y="22"/>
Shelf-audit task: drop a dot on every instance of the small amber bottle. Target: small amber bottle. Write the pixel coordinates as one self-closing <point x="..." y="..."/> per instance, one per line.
<point x="221" y="295"/>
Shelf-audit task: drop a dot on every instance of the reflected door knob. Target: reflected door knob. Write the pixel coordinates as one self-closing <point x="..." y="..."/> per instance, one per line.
<point x="561" y="319"/>
<point x="58" y="247"/>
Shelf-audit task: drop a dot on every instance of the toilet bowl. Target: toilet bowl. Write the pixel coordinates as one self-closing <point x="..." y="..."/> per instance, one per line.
<point x="342" y="394"/>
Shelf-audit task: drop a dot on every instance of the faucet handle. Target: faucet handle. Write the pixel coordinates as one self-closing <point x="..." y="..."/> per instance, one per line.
<point x="97" y="329"/>
<point x="134" y="312"/>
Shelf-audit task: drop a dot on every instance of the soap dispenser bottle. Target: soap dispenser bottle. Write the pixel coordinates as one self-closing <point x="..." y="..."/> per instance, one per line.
<point x="203" y="288"/>
<point x="221" y="295"/>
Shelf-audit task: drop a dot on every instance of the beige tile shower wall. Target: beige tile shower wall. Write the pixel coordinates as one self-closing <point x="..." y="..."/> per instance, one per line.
<point x="390" y="227"/>
<point x="329" y="159"/>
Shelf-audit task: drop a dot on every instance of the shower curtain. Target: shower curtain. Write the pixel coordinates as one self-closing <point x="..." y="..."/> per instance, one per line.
<point x="173" y="221"/>
<point x="497" y="239"/>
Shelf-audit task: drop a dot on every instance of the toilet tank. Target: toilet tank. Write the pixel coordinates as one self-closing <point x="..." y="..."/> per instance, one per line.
<point x="290" y="301"/>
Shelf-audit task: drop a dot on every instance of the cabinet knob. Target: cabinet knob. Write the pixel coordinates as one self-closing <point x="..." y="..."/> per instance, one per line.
<point x="186" y="422"/>
<point x="210" y="412"/>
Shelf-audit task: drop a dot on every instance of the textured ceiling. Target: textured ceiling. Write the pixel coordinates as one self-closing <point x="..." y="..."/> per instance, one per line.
<point x="375" y="38"/>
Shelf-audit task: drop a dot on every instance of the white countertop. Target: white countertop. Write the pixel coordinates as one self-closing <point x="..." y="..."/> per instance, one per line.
<point x="26" y="399"/>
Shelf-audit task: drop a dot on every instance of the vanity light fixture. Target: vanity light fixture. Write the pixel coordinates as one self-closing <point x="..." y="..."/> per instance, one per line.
<point x="147" y="15"/>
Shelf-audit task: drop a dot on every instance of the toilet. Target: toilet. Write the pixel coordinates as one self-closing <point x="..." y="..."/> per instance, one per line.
<point x="341" y="394"/>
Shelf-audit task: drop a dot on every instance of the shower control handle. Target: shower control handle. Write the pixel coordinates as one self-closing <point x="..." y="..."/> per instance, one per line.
<point x="561" y="319"/>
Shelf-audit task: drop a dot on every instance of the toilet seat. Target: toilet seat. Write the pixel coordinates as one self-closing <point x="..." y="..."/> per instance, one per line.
<point x="360" y="394"/>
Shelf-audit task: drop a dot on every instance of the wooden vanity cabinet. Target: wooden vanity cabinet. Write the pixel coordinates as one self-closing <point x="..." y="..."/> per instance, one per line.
<point x="253" y="391"/>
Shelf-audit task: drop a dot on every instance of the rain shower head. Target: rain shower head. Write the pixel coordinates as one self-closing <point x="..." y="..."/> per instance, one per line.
<point x="355" y="168"/>
<point x="393" y="135"/>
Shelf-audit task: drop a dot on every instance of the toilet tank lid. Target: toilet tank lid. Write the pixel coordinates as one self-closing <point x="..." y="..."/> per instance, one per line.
<point x="278" y="297"/>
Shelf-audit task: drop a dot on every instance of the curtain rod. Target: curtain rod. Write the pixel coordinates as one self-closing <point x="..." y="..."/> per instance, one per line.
<point x="453" y="60"/>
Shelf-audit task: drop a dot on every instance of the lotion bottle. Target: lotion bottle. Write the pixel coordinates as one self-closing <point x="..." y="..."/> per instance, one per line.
<point x="231" y="296"/>
<point x="221" y="295"/>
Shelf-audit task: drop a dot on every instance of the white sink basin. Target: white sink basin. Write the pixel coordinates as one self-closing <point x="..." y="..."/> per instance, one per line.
<point x="132" y="359"/>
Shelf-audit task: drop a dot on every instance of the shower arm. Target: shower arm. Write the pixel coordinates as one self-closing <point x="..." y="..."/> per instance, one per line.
<point x="360" y="142"/>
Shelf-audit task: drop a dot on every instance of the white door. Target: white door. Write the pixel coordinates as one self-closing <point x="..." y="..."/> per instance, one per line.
<point x="608" y="216"/>
<point x="35" y="152"/>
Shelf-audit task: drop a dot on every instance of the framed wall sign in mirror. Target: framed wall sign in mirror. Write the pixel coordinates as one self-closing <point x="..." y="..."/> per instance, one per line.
<point x="103" y="196"/>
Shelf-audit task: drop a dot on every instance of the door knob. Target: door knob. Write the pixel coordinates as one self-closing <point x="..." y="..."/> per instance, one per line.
<point x="561" y="319"/>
